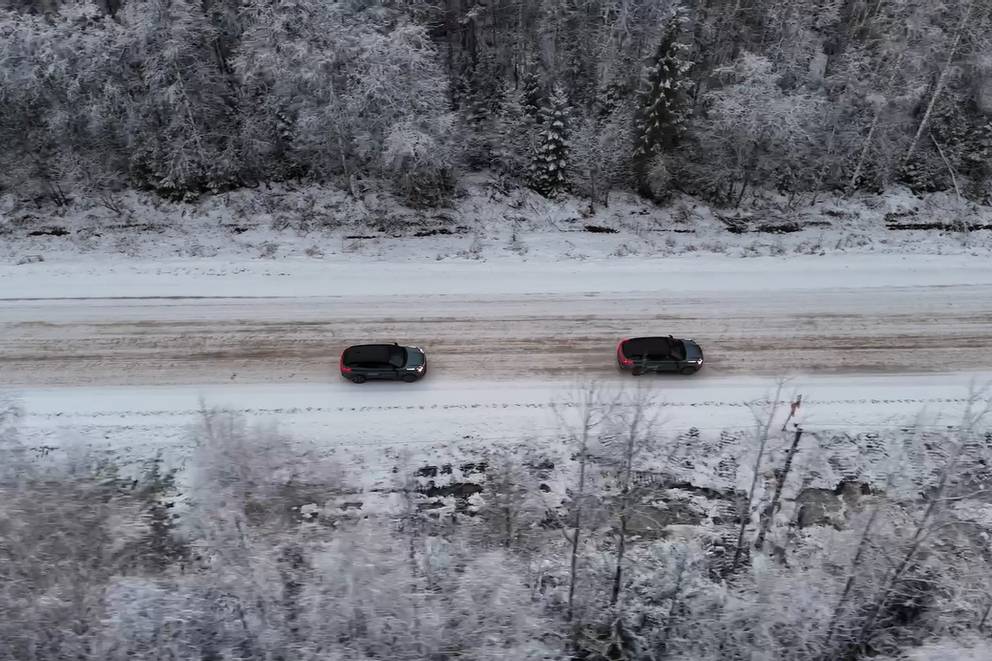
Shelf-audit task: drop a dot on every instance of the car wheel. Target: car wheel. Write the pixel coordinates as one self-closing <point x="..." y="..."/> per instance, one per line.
<point x="409" y="378"/>
<point x="637" y="372"/>
<point x="358" y="378"/>
<point x="689" y="370"/>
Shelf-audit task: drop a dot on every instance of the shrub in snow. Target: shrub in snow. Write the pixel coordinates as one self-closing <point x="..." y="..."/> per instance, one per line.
<point x="418" y="157"/>
<point x="657" y="178"/>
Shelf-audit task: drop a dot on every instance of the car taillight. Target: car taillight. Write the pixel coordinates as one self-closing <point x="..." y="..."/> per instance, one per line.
<point x="624" y="360"/>
<point x="344" y="369"/>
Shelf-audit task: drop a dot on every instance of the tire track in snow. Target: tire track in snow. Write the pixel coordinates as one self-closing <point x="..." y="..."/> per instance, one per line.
<point x="273" y="340"/>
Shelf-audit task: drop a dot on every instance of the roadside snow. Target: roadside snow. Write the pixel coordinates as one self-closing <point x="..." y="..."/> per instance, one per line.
<point x="318" y="223"/>
<point x="370" y="427"/>
<point x="110" y="278"/>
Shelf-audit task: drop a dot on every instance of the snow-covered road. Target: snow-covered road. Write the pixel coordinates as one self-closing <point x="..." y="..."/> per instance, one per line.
<point x="162" y="325"/>
<point x="111" y="354"/>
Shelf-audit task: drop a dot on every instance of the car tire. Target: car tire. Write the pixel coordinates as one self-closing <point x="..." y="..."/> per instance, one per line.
<point x="409" y="378"/>
<point x="689" y="370"/>
<point x="637" y="372"/>
<point x="357" y="378"/>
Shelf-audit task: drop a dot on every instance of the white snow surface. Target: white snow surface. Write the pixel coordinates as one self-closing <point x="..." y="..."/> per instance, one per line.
<point x="298" y="277"/>
<point x="371" y="431"/>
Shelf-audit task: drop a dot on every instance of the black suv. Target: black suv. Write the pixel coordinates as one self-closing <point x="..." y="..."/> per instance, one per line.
<point x="383" y="361"/>
<point x="659" y="354"/>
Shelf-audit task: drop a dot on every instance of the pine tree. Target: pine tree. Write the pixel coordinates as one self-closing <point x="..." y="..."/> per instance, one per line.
<point x="532" y="95"/>
<point x="160" y="545"/>
<point x="664" y="100"/>
<point x="549" y="168"/>
<point x="516" y="131"/>
<point x="480" y="103"/>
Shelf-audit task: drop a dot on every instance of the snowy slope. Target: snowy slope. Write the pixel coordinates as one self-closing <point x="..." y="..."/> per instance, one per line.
<point x="320" y="224"/>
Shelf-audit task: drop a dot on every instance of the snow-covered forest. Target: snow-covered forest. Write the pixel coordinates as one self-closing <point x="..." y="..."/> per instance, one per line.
<point x="627" y="541"/>
<point x="708" y="97"/>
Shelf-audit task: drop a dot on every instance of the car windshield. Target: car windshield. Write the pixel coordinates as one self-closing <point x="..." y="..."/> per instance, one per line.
<point x="397" y="356"/>
<point x="414" y="358"/>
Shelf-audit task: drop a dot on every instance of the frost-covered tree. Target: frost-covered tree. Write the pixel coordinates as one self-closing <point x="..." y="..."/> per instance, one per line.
<point x="478" y="106"/>
<point x="177" y="102"/>
<point x="492" y="612"/>
<point x="395" y="76"/>
<point x="183" y="98"/>
<point x="61" y="527"/>
<point x="549" y="173"/>
<point x="516" y="128"/>
<point x="12" y="451"/>
<point x="665" y="102"/>
<point x="512" y="506"/>
<point x="752" y="133"/>
<point x="290" y="63"/>
<point x="323" y="88"/>
<point x="60" y="122"/>
<point x="600" y="147"/>
<point x="420" y="157"/>
<point x="161" y="545"/>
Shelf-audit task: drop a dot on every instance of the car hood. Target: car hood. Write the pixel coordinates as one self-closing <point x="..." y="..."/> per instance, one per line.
<point x="415" y="357"/>
<point x="692" y="350"/>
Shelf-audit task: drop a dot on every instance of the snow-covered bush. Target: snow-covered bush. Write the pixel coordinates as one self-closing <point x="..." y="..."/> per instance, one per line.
<point x="419" y="157"/>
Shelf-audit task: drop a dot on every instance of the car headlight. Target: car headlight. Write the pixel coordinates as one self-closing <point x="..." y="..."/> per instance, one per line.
<point x="419" y="368"/>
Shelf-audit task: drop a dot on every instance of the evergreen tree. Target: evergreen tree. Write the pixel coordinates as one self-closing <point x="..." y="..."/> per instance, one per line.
<point x="160" y="545"/>
<point x="516" y="131"/>
<point x="532" y="95"/>
<point x="549" y="169"/>
<point x="664" y="101"/>
<point x="479" y="105"/>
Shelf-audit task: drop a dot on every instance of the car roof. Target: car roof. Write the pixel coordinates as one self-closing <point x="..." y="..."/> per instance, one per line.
<point x="637" y="346"/>
<point x="370" y="353"/>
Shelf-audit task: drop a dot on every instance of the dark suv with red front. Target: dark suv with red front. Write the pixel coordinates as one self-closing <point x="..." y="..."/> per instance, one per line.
<point x="640" y="355"/>
<point x="383" y="361"/>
